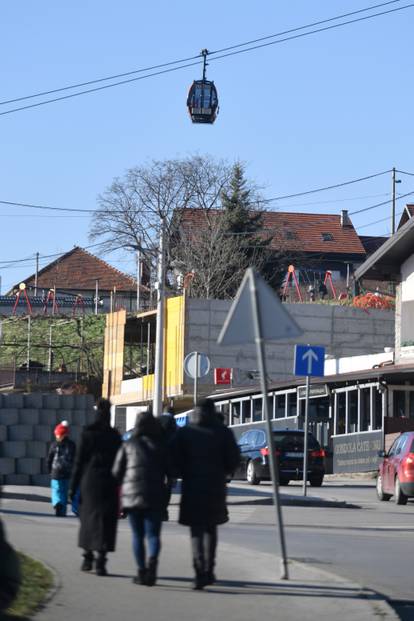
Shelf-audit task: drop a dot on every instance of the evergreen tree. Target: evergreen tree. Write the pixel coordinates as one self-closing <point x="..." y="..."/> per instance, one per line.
<point x="245" y="223"/>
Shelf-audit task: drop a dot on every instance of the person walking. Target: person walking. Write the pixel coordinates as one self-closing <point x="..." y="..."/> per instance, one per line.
<point x="142" y="467"/>
<point x="60" y="461"/>
<point x="204" y="453"/>
<point x="98" y="502"/>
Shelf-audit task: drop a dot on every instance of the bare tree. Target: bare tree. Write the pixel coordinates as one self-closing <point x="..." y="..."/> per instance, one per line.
<point x="132" y="209"/>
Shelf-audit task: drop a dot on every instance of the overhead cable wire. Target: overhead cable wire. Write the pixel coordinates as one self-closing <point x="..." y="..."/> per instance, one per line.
<point x="325" y="188"/>
<point x="310" y="32"/>
<point x="213" y="57"/>
<point x="185" y="60"/>
<point x="298" y="28"/>
<point x="397" y="198"/>
<point x="403" y="172"/>
<point x="99" y="88"/>
<point x="267" y="200"/>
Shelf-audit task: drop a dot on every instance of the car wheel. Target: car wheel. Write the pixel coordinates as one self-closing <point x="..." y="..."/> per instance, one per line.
<point x="381" y="495"/>
<point x="399" y="497"/>
<point x="251" y="474"/>
<point x="316" y="481"/>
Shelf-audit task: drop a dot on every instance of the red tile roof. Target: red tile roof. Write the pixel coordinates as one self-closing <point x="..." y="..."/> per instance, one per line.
<point x="79" y="270"/>
<point x="298" y="232"/>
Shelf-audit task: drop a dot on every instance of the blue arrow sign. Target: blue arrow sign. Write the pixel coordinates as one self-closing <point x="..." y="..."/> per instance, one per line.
<point x="309" y="360"/>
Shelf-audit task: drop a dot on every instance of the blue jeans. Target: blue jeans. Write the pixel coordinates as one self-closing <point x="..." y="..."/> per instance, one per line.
<point x="145" y="525"/>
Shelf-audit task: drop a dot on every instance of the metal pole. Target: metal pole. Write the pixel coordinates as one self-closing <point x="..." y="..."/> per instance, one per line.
<point x="148" y="347"/>
<point x="393" y="203"/>
<point x="50" y="350"/>
<point x="36" y="273"/>
<point x="196" y="378"/>
<point x="29" y="331"/>
<point x="96" y="295"/>
<point x="138" y="279"/>
<point x="305" y="439"/>
<point x="270" y="440"/>
<point x="159" y="334"/>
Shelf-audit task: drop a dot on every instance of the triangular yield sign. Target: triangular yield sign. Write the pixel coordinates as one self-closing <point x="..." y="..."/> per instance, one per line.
<point x="275" y="321"/>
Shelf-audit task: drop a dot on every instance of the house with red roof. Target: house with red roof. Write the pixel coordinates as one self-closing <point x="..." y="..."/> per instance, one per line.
<point x="313" y="243"/>
<point x="80" y="273"/>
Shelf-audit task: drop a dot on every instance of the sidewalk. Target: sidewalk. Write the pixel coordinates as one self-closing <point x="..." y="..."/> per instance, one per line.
<point x="248" y="582"/>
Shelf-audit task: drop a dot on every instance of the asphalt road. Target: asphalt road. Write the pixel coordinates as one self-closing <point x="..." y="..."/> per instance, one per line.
<point x="371" y="544"/>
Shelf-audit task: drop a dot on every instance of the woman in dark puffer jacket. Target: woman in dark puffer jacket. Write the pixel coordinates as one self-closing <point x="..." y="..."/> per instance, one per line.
<point x="142" y="468"/>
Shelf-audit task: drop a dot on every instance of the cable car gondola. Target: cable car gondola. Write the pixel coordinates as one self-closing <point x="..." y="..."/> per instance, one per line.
<point x="202" y="100"/>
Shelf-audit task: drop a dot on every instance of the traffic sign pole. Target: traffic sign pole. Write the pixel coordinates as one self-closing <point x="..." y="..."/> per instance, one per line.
<point x="270" y="440"/>
<point x="196" y="378"/>
<point x="305" y="440"/>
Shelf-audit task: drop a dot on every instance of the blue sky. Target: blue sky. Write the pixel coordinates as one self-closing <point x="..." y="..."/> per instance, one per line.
<point x="302" y="114"/>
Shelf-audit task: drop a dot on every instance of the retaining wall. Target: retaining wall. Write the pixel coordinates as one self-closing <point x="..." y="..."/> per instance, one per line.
<point x="27" y="422"/>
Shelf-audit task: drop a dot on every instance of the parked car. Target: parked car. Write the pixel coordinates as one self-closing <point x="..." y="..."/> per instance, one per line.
<point x="396" y="470"/>
<point x="289" y="445"/>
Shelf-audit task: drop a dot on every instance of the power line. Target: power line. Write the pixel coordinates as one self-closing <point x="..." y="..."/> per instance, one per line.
<point x="325" y="188"/>
<point x="185" y="60"/>
<point x="268" y="200"/>
<point x="402" y="172"/>
<point x="211" y="56"/>
<point x="353" y="213"/>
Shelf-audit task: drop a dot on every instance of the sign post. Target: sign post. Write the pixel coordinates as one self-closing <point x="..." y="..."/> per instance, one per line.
<point x="255" y="316"/>
<point x="196" y="365"/>
<point x="309" y="360"/>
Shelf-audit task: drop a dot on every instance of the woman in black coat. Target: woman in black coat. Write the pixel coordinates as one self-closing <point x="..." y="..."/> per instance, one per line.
<point x="98" y="506"/>
<point x="142" y="468"/>
<point x="204" y="453"/>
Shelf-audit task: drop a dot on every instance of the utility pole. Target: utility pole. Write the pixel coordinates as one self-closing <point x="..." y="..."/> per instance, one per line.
<point x="159" y="334"/>
<point x="138" y="279"/>
<point x="96" y="295"/>
<point x="36" y="273"/>
<point x="394" y="181"/>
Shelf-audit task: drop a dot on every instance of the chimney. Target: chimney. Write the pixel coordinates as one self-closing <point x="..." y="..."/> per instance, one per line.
<point x="345" y="220"/>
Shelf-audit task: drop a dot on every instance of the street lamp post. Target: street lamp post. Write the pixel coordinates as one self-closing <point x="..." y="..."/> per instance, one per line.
<point x="159" y="334"/>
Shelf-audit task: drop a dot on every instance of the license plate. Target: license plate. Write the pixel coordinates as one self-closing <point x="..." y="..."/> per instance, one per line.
<point x="293" y="454"/>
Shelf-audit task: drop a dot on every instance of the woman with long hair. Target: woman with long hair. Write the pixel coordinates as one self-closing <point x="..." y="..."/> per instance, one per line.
<point x="98" y="504"/>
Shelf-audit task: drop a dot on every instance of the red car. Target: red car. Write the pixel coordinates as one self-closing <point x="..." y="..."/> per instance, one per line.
<point x="396" y="470"/>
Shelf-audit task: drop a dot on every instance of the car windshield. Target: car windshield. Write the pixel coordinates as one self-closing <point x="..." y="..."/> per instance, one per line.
<point x="293" y="441"/>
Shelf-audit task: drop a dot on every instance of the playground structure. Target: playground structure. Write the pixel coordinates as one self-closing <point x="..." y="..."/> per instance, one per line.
<point x="321" y="287"/>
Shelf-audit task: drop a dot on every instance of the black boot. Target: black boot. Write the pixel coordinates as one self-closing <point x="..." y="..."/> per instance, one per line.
<point x="151" y="573"/>
<point x="58" y="509"/>
<point x="141" y="577"/>
<point x="200" y="578"/>
<point x="210" y="577"/>
<point x="88" y="559"/>
<point x="101" y="564"/>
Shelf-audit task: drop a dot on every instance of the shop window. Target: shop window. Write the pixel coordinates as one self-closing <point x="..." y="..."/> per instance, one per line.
<point x="377" y="418"/>
<point x="257" y="410"/>
<point x="235" y="412"/>
<point x="411" y="412"/>
<point x="399" y="404"/>
<point x="352" y="411"/>
<point x="246" y="412"/>
<point x="340" y="413"/>
<point x="292" y="401"/>
<point x="280" y="406"/>
<point x="225" y="411"/>
<point x="365" y="410"/>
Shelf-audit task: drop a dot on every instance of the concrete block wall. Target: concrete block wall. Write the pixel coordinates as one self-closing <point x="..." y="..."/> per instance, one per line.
<point x="27" y="422"/>
<point x="342" y="330"/>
